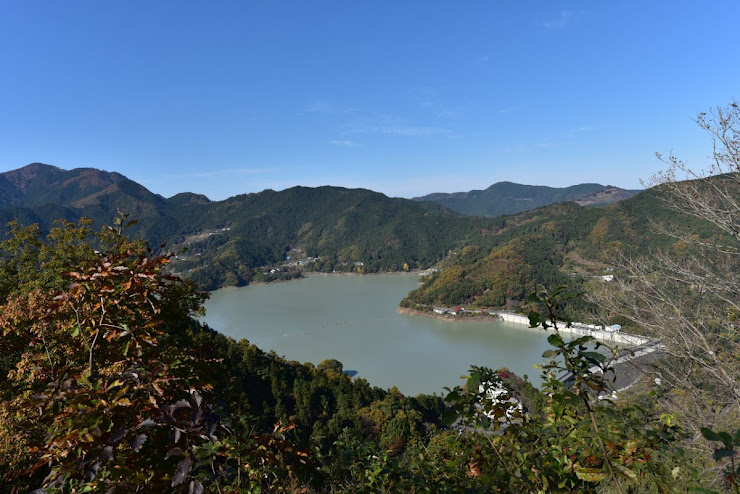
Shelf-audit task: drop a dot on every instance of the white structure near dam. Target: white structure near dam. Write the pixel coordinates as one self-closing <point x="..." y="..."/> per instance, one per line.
<point x="579" y="329"/>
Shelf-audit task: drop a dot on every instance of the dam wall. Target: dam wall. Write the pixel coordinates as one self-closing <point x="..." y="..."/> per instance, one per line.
<point x="579" y="329"/>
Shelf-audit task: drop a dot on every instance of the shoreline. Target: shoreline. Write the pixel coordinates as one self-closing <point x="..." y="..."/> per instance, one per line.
<point x="446" y="317"/>
<point x="308" y="274"/>
<point x="349" y="273"/>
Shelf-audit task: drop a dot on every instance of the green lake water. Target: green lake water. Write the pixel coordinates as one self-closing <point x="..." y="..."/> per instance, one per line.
<point x="354" y="320"/>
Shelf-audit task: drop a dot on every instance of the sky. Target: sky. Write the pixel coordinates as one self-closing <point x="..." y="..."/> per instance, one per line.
<point x="402" y="97"/>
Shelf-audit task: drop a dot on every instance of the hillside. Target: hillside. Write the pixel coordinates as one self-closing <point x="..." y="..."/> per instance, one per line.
<point x="335" y="228"/>
<point x="39" y="193"/>
<point x="161" y="403"/>
<point x="510" y="198"/>
<point x="558" y="244"/>
<point x="276" y="235"/>
<point x="229" y="242"/>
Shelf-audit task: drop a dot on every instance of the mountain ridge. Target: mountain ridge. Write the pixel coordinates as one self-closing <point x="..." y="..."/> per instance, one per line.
<point x="511" y="198"/>
<point x="239" y="239"/>
<point x="231" y="240"/>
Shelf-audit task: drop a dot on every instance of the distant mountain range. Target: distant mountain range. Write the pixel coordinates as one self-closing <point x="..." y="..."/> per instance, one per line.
<point x="510" y="198"/>
<point x="245" y="237"/>
<point x="229" y="241"/>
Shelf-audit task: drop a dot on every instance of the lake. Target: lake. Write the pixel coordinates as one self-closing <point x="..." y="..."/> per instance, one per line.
<point x="353" y="319"/>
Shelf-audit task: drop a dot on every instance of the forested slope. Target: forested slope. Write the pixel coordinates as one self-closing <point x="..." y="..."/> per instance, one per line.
<point x="560" y="244"/>
<point x="110" y="385"/>
<point x="229" y="241"/>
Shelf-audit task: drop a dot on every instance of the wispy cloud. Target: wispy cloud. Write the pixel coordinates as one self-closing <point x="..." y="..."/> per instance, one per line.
<point x="429" y="100"/>
<point x="562" y="138"/>
<point x="345" y="143"/>
<point x="358" y="121"/>
<point x="320" y="106"/>
<point x="385" y="124"/>
<point x="324" y="107"/>
<point x="565" y="18"/>
<point x="400" y="130"/>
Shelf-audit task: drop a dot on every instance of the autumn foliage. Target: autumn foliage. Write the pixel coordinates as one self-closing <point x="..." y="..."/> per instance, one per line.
<point x="95" y="374"/>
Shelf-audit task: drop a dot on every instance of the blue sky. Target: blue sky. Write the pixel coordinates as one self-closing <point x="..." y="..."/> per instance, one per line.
<point x="403" y="97"/>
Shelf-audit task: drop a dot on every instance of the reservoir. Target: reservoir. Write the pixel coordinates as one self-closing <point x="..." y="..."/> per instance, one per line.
<point x="353" y="319"/>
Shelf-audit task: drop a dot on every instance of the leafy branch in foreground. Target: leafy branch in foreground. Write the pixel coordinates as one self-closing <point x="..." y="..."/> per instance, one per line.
<point x="574" y="438"/>
<point x="688" y="297"/>
<point x="97" y="361"/>
<point x="726" y="453"/>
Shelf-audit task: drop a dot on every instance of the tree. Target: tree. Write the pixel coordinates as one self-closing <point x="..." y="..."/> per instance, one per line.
<point x="99" y="391"/>
<point x="690" y="297"/>
<point x="570" y="438"/>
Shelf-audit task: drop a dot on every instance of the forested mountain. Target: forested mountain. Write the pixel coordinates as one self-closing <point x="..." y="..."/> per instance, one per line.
<point x="40" y="193"/>
<point x="509" y="198"/>
<point x="560" y="244"/>
<point x="336" y="228"/>
<point x="229" y="241"/>
<point x="220" y="243"/>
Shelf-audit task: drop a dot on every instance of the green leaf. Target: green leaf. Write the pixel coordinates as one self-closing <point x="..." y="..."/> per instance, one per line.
<point x="550" y="353"/>
<point x="449" y="417"/>
<point x="582" y="340"/>
<point x="725" y="438"/>
<point x="595" y="356"/>
<point x="534" y="319"/>
<point x="590" y="474"/>
<point x="709" y="434"/>
<point x="453" y="396"/>
<point x="555" y="340"/>
<point x="557" y="409"/>
<point x="723" y="453"/>
<point x="558" y="290"/>
<point x="630" y="474"/>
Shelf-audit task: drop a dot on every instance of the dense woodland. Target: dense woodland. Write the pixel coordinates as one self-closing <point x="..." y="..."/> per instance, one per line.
<point x="110" y="384"/>
<point x="562" y="244"/>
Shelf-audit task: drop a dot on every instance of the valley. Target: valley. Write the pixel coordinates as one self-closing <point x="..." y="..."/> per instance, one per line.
<point x="286" y="345"/>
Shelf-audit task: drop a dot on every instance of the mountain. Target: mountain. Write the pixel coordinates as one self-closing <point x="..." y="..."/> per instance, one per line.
<point x="510" y="198"/>
<point x="40" y="193"/>
<point x="228" y="242"/>
<point x="606" y="196"/>
<point x="38" y="184"/>
<point x="332" y="228"/>
<point x="272" y="235"/>
<point x="560" y="244"/>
